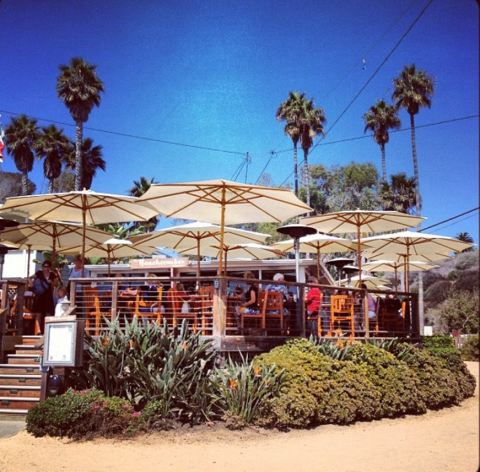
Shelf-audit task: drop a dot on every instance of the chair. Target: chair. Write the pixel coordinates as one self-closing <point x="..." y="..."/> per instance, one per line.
<point x="341" y="310"/>
<point x="272" y="308"/>
<point x="391" y="315"/>
<point x="152" y="305"/>
<point x="255" y="316"/>
<point x="206" y="303"/>
<point x="92" y="308"/>
<point x="175" y="308"/>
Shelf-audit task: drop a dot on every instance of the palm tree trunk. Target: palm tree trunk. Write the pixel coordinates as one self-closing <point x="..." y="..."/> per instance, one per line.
<point x="295" y="167"/>
<point x="421" y="307"/>
<point x="25" y="182"/>
<point x="50" y="186"/>
<point x="415" y="167"/>
<point x="78" y="155"/>
<point x="384" y="163"/>
<point x="306" y="175"/>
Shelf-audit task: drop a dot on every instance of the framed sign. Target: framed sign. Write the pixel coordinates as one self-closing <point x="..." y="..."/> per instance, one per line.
<point x="63" y="345"/>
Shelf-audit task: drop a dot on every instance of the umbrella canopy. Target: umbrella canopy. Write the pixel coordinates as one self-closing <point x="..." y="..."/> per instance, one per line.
<point x="86" y="207"/>
<point x="412" y="245"/>
<point x="242" y="251"/>
<point x="394" y="266"/>
<point x="198" y="238"/>
<point x="223" y="202"/>
<point x="318" y="243"/>
<point x="369" y="280"/>
<point x="361" y="221"/>
<point x="7" y="223"/>
<point x="113" y="249"/>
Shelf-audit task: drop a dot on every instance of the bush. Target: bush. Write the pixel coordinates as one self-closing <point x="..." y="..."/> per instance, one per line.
<point x="84" y="414"/>
<point x="399" y="386"/>
<point x="470" y="349"/>
<point x="149" y="363"/>
<point x="438" y="341"/>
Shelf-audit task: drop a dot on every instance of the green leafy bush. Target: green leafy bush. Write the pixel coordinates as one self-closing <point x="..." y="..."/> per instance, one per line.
<point x="242" y="390"/>
<point x="438" y="341"/>
<point x="147" y="363"/>
<point x="399" y="386"/>
<point x="470" y="349"/>
<point x="84" y="414"/>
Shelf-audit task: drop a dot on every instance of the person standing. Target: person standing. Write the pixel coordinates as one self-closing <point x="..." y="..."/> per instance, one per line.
<point x="44" y="282"/>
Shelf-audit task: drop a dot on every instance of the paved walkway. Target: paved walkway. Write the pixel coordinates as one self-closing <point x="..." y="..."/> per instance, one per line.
<point x="10" y="427"/>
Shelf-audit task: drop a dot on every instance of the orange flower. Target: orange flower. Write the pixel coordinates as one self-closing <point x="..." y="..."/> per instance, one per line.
<point x="105" y="341"/>
<point x="341" y="344"/>
<point x="233" y="384"/>
<point x="351" y="339"/>
<point x="329" y="335"/>
<point x="265" y="381"/>
<point x="185" y="345"/>
<point x="131" y="344"/>
<point x="257" y="370"/>
<point x="339" y="332"/>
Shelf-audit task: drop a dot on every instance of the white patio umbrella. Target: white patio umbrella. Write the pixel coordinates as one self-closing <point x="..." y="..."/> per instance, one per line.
<point x="318" y="243"/>
<point x="198" y="238"/>
<point x="361" y="221"/>
<point x="86" y="206"/>
<point x="369" y="280"/>
<point x="413" y="245"/>
<point x="113" y="249"/>
<point x="223" y="202"/>
<point x="394" y="266"/>
<point x="53" y="236"/>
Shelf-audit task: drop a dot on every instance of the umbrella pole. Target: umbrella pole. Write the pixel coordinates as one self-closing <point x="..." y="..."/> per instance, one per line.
<point x="108" y="260"/>
<point x="28" y="260"/>
<point x="84" y="223"/>
<point x="54" y="246"/>
<point x="222" y="231"/>
<point x="359" y="257"/>
<point x="396" y="280"/>
<point x="198" y="258"/>
<point x="318" y="264"/>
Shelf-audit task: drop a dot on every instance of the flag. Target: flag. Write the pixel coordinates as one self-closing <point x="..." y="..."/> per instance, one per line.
<point x="2" y="147"/>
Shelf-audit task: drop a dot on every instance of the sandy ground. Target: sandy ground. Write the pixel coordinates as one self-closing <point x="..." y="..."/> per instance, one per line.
<point x="444" y="441"/>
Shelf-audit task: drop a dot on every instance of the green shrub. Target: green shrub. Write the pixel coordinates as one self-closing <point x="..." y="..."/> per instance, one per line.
<point x="243" y="390"/>
<point x="147" y="363"/>
<point x="452" y="361"/>
<point x="399" y="386"/>
<point x="438" y="385"/>
<point x="438" y="341"/>
<point x="470" y="349"/>
<point x="84" y="414"/>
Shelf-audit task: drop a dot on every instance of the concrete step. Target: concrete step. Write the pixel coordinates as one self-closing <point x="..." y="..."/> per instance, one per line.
<point x="21" y="379"/>
<point x="30" y="339"/>
<point x="29" y="350"/>
<point x="15" y="391"/>
<point x="23" y="359"/>
<point x="13" y="412"/>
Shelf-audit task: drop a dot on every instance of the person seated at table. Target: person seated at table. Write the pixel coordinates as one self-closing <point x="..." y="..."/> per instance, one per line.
<point x="249" y="303"/>
<point x="313" y="301"/>
<point x="372" y="314"/>
<point x="279" y="286"/>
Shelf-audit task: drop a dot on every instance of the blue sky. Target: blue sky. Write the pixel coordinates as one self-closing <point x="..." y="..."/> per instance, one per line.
<point x="209" y="76"/>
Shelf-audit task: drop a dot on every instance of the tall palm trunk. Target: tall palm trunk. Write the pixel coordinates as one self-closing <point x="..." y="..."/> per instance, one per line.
<point x="384" y="163"/>
<point x="25" y="182"/>
<point x="50" y="185"/>
<point x="306" y="175"/>
<point x="415" y="167"/>
<point x="78" y="155"/>
<point x="295" y="166"/>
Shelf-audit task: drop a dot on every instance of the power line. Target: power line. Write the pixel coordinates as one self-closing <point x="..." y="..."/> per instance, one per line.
<point x="375" y="73"/>
<point x="144" y="138"/>
<point x="450" y="219"/>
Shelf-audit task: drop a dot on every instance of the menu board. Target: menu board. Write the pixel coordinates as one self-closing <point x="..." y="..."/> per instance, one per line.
<point x="61" y="343"/>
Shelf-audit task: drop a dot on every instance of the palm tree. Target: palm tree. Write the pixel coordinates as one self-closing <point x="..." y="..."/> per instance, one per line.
<point x="20" y="137"/>
<point x="290" y="112"/>
<point x="311" y="126"/>
<point x="466" y="238"/>
<point x="52" y="145"/>
<point x="399" y="194"/>
<point x="413" y="90"/>
<point x="138" y="189"/>
<point x="379" y="119"/>
<point x="92" y="160"/>
<point x="79" y="87"/>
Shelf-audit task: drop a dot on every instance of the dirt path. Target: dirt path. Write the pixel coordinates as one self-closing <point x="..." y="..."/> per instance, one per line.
<point x="442" y="441"/>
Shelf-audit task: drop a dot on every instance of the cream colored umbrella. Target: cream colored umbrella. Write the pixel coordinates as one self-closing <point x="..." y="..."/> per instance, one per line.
<point x="394" y="266"/>
<point x="224" y="202"/>
<point x="86" y="206"/>
<point x="412" y="245"/>
<point x="113" y="249"/>
<point x="318" y="243"/>
<point x="197" y="238"/>
<point x="361" y="221"/>
<point x="369" y="280"/>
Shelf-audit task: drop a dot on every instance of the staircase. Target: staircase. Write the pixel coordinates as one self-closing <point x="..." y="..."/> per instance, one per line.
<point x="20" y="378"/>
